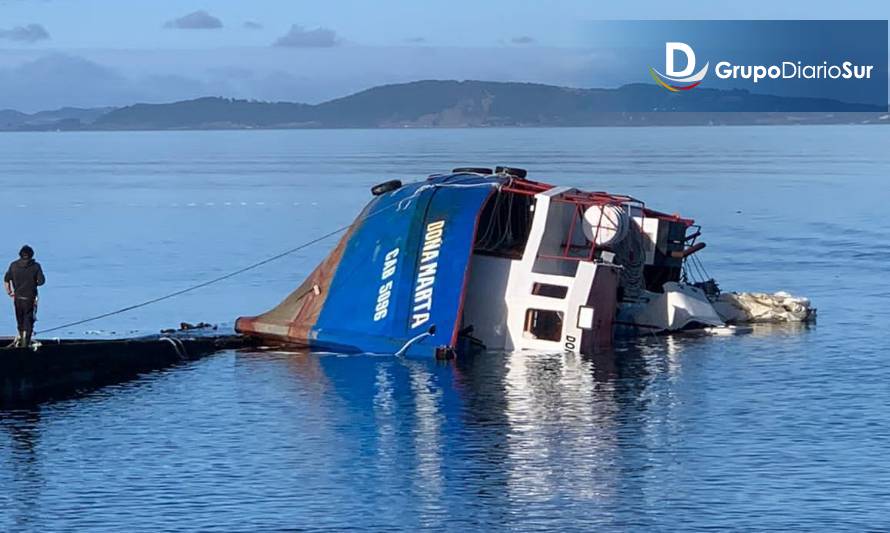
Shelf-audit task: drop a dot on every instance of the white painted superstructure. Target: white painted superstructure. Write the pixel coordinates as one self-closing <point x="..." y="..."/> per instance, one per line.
<point x="589" y="262"/>
<point x="535" y="302"/>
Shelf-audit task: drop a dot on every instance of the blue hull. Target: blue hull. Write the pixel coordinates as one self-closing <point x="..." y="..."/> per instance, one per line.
<point x="396" y="282"/>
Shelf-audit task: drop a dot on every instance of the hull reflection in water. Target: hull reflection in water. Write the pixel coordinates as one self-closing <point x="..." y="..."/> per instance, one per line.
<point x="529" y="439"/>
<point x="529" y="428"/>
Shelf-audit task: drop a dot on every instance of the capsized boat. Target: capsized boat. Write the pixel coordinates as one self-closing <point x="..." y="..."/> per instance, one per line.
<point x="481" y="258"/>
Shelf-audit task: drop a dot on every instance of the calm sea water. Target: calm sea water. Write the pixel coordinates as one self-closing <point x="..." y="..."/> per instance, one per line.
<point x="784" y="428"/>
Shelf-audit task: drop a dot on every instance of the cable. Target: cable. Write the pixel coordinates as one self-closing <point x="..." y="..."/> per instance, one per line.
<point x="701" y="264"/>
<point x="215" y="280"/>
<point x="414" y="340"/>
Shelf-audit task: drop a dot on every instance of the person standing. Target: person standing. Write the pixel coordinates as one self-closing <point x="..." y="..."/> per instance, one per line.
<point x="21" y="281"/>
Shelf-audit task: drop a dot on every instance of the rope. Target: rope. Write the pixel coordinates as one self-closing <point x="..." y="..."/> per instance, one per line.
<point x="215" y="280"/>
<point x="178" y="347"/>
<point x="631" y="253"/>
<point x="414" y="340"/>
<point x="405" y="202"/>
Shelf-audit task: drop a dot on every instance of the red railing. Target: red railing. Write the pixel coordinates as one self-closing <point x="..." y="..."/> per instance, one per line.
<point x="582" y="201"/>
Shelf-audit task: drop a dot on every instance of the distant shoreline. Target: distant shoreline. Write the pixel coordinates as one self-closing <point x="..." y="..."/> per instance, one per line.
<point x="875" y="122"/>
<point x="436" y="104"/>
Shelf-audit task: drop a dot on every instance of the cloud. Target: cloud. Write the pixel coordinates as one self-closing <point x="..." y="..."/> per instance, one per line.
<point x="416" y="40"/>
<point x="523" y="39"/>
<point x="197" y="20"/>
<point x="33" y="80"/>
<point x="300" y="37"/>
<point x="58" y="80"/>
<point x="251" y="25"/>
<point x="26" y="34"/>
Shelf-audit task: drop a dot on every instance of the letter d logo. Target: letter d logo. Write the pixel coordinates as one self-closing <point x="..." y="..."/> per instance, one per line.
<point x="670" y="50"/>
<point x="678" y="80"/>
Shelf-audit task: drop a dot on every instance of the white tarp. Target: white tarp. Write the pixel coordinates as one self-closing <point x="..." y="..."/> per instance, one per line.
<point x="750" y="307"/>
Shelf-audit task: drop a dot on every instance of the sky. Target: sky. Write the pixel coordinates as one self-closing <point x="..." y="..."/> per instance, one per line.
<point x="90" y="53"/>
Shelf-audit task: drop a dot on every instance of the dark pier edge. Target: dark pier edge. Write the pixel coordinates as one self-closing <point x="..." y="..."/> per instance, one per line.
<point x="59" y="369"/>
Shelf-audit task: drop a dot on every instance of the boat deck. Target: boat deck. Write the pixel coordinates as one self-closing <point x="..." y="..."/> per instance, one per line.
<point x="61" y="368"/>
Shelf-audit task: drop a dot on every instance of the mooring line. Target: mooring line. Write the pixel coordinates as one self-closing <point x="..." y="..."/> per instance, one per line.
<point x="218" y="279"/>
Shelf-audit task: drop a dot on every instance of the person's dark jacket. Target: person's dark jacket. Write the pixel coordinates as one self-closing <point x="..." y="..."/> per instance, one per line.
<point x="25" y="275"/>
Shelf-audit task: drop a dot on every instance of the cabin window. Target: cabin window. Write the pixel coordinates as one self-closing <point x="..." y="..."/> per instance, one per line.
<point x="543" y="324"/>
<point x="549" y="291"/>
<point x="585" y="317"/>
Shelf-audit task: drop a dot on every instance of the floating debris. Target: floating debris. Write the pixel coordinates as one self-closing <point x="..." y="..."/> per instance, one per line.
<point x="759" y="307"/>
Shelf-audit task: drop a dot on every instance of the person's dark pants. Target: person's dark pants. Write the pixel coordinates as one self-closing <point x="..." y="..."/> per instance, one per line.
<point x="24" y="315"/>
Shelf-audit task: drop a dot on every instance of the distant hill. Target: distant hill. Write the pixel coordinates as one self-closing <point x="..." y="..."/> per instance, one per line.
<point x="429" y="104"/>
<point x="207" y="113"/>
<point x="63" y="118"/>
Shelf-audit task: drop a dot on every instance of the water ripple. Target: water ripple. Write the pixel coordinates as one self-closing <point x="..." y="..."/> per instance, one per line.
<point x="785" y="428"/>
